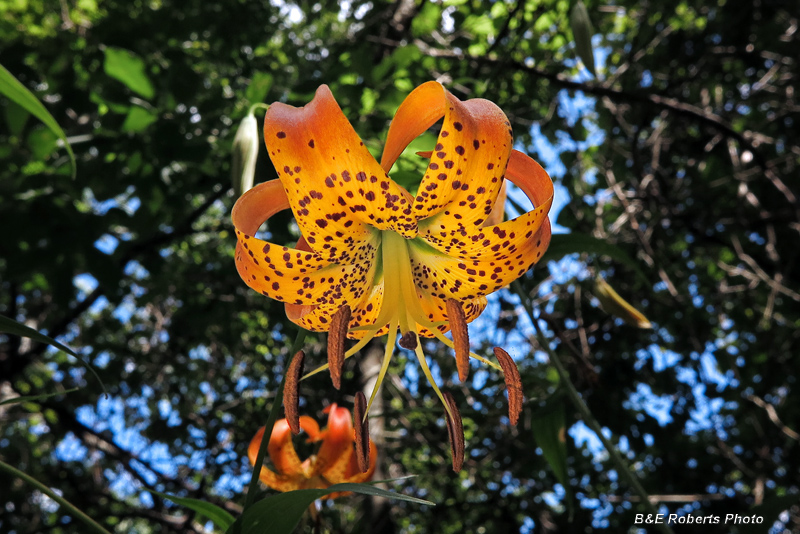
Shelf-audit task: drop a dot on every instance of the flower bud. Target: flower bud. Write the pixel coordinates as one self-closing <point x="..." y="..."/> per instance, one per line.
<point x="245" y="154"/>
<point x="582" y="33"/>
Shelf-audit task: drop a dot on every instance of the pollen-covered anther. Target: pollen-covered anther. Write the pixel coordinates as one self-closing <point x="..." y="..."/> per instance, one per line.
<point x="458" y="326"/>
<point x="513" y="384"/>
<point x="455" y="431"/>
<point x="408" y="340"/>
<point x="336" y="338"/>
<point x="361" y="429"/>
<point x="291" y="392"/>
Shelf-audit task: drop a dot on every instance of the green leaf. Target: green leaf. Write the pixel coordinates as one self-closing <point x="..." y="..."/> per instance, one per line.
<point x="220" y="517"/>
<point x="42" y="142"/>
<point x="138" y="119"/>
<point x="280" y="514"/>
<point x="16" y="117"/>
<point x="549" y="430"/>
<point x="36" y="398"/>
<point x="128" y="68"/>
<point x="11" y="326"/>
<point x="582" y="33"/>
<point x="563" y="244"/>
<point x="16" y="92"/>
<point x="259" y="87"/>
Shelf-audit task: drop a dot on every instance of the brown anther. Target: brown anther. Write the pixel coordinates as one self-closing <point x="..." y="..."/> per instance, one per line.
<point x="408" y="340"/>
<point x="291" y="391"/>
<point x="361" y="424"/>
<point x="458" y="326"/>
<point x="513" y="384"/>
<point x="455" y="431"/>
<point x="336" y="337"/>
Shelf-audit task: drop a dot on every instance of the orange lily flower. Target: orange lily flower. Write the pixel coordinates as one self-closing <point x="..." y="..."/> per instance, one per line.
<point x="334" y="463"/>
<point x="374" y="258"/>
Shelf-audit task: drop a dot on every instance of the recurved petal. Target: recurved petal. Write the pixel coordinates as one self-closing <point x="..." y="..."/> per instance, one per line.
<point x="353" y="472"/>
<point x="338" y="192"/>
<point x="467" y="164"/>
<point x="290" y="470"/>
<point x="504" y="240"/>
<point x="337" y="444"/>
<point x="419" y="111"/>
<point x="296" y="276"/>
<point x="465" y="279"/>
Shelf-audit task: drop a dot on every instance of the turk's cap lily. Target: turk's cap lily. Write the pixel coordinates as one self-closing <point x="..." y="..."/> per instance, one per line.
<point x="373" y="258"/>
<point x="335" y="462"/>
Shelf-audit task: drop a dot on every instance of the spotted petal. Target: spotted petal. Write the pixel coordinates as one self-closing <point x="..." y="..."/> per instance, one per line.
<point x="494" y="256"/>
<point x="338" y="192"/>
<point x="465" y="173"/>
<point x="291" y="275"/>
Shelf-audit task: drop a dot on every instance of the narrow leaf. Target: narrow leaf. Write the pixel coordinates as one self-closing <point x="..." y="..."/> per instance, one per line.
<point x="18" y="93"/>
<point x="550" y="433"/>
<point x="219" y="516"/>
<point x="614" y="304"/>
<point x="280" y="514"/>
<point x="11" y="326"/>
<point x="582" y="32"/>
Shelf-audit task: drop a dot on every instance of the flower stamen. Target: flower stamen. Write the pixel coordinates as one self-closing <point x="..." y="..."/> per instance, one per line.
<point x="361" y="424"/>
<point x="455" y="431"/>
<point x="513" y="384"/>
<point x="336" y="337"/>
<point x="458" y="326"/>
<point x="291" y="392"/>
<point x="408" y="340"/>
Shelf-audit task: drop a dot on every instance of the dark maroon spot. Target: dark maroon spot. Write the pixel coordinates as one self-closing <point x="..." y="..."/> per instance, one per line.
<point x="460" y="150"/>
<point x="311" y="143"/>
<point x="322" y="223"/>
<point x="275" y="285"/>
<point x="439" y="146"/>
<point x="361" y="176"/>
<point x="433" y="166"/>
<point x="490" y="166"/>
<point x="449" y="164"/>
<point x="457" y="126"/>
<point x="328" y="181"/>
<point x="445" y="133"/>
<point x="476" y="144"/>
<point x="456" y="184"/>
<point x="370" y="196"/>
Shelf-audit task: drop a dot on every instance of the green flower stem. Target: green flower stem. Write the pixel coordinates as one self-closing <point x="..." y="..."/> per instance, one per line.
<point x="616" y="458"/>
<point x="258" y="105"/>
<point x="273" y="416"/>
<point x="71" y="508"/>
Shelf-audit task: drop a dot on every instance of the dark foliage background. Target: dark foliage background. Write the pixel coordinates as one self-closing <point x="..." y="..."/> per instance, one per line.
<point x="683" y="153"/>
